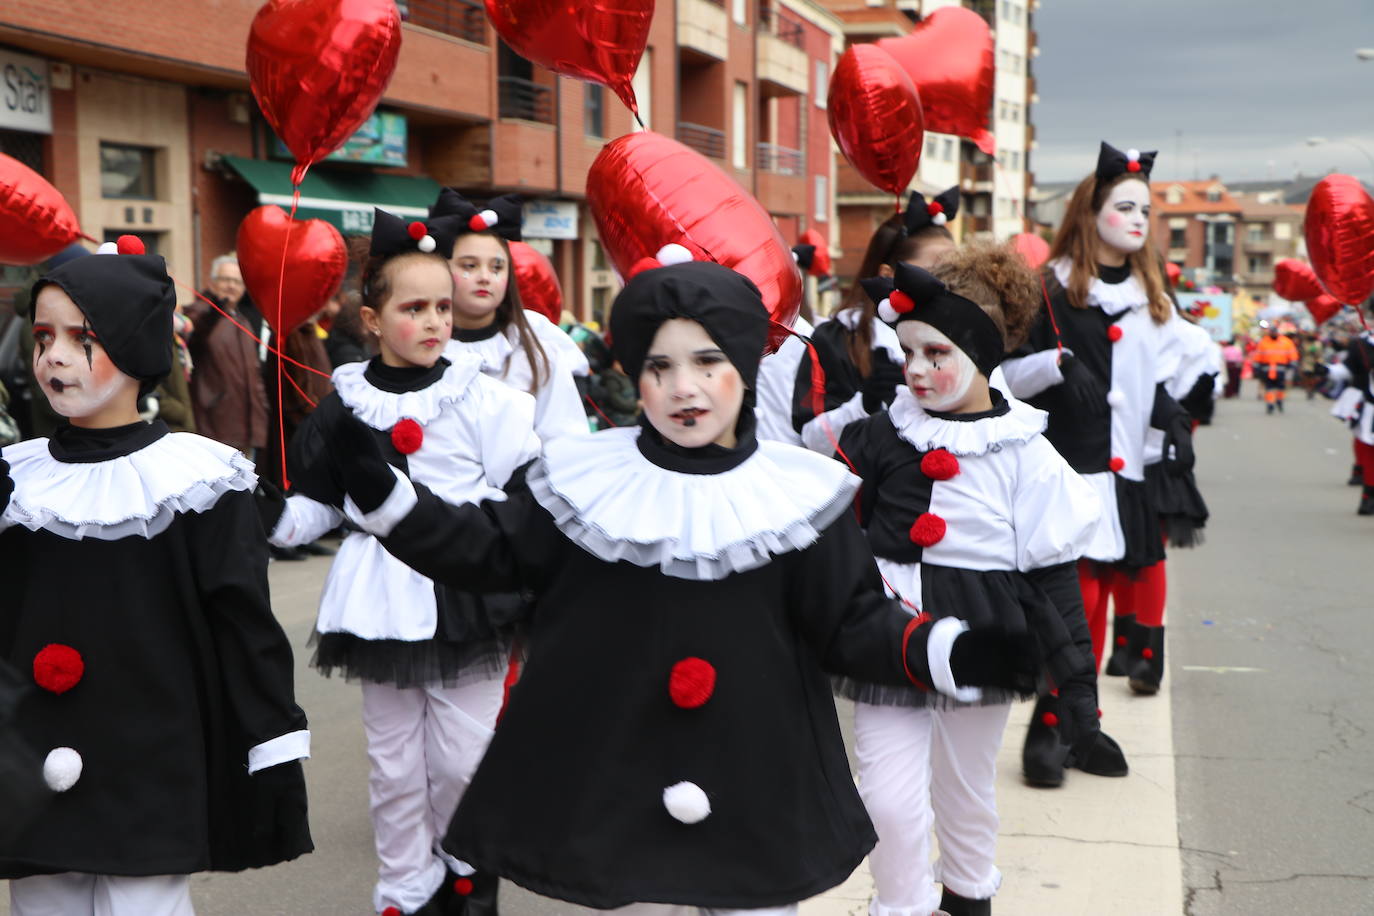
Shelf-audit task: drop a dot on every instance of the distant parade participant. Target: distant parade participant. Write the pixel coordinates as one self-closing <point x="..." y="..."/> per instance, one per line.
<point x="1095" y="360"/>
<point x="1359" y="410"/>
<point x="1274" y="355"/>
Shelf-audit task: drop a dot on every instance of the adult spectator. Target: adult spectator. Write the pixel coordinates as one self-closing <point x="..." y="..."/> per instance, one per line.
<point x="227" y="391"/>
<point x="347" y="341"/>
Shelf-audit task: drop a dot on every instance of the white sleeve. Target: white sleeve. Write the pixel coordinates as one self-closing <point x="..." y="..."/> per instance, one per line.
<point x="1054" y="510"/>
<point x="557" y="405"/>
<point x="822" y="432"/>
<point x="302" y="521"/>
<point x="1027" y="376"/>
<point x="506" y="431"/>
<point x="1347" y="406"/>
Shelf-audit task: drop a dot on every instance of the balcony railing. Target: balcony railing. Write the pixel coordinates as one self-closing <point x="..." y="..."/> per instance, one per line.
<point x="705" y="140"/>
<point x="779" y="159"/>
<point x="781" y="24"/>
<point x="465" y="19"/>
<point x="525" y="100"/>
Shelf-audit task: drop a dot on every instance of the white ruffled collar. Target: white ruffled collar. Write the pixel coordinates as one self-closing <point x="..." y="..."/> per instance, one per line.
<point x="965" y="438"/>
<point x="1112" y="298"/>
<point x="884" y="337"/>
<point x="135" y="494"/>
<point x="611" y="501"/>
<point x="383" y="409"/>
<point x="492" y="352"/>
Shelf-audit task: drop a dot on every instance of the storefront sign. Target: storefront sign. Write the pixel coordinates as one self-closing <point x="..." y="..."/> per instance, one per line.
<point x="551" y="219"/>
<point x="380" y="141"/>
<point x="25" y="93"/>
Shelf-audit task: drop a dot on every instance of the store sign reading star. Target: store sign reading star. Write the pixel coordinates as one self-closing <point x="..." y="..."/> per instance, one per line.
<point x="25" y="93"/>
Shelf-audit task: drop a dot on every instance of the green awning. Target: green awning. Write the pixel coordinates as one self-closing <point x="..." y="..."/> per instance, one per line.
<point x="345" y="199"/>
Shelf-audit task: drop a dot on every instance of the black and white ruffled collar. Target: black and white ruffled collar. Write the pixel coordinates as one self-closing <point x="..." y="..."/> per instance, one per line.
<point x="1112" y="298"/>
<point x="990" y="432"/>
<point x="614" y="503"/>
<point x="382" y="409"/>
<point x="135" y="494"/>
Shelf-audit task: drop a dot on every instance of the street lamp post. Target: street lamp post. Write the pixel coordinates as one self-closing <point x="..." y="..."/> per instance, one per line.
<point x="1319" y="141"/>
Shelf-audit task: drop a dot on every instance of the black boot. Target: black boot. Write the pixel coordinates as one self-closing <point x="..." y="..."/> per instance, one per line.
<point x="955" y="905"/>
<point x="1147" y="660"/>
<point x="1356" y="477"/>
<point x="1122" y="625"/>
<point x="1100" y="755"/>
<point x="474" y="895"/>
<point x="1042" y="758"/>
<point x="1366" y="502"/>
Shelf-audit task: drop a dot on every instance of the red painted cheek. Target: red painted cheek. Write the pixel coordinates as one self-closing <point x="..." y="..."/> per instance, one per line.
<point x="1115" y="220"/>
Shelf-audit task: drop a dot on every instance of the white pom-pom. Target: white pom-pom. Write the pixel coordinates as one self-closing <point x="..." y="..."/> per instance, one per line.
<point x="1116" y="398"/>
<point x="426" y="243"/>
<point x="686" y="802"/>
<point x="107" y="248"/>
<point x="489" y="217"/>
<point x="672" y="254"/>
<point x="1133" y="155"/>
<point x="62" y="768"/>
<point x="886" y="312"/>
<point x="795" y="258"/>
<point x="939" y="219"/>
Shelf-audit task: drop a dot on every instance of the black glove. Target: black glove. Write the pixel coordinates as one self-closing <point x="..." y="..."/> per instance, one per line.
<point x="1086" y="392"/>
<point x="270" y="502"/>
<point x="1078" y="720"/>
<point x="280" y="810"/>
<point x="884" y="378"/>
<point x="1167" y="415"/>
<point x="6" y="485"/>
<point x="357" y="465"/>
<point x="993" y="658"/>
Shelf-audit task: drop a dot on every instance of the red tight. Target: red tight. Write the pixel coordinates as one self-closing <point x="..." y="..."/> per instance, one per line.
<point x="1364" y="457"/>
<point x="1142" y="594"/>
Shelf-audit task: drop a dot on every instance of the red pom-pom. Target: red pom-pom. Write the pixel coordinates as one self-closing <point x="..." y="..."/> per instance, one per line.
<point x="416" y="230"/>
<point x="1121" y="640"/>
<point x="1147" y="652"/>
<point x="407" y="436"/>
<point x="1050" y="719"/>
<point x="58" y="668"/>
<point x="130" y="244"/>
<point x="939" y="465"/>
<point x="1133" y="166"/>
<point x="1116" y="465"/>
<point x="392" y="911"/>
<point x="477" y="224"/>
<point x="462" y="887"/>
<point x="691" y="682"/>
<point x="935" y="207"/>
<point x="643" y="264"/>
<point x="1114" y="333"/>
<point x="901" y="303"/>
<point x="928" y="529"/>
<point x="1099" y="713"/>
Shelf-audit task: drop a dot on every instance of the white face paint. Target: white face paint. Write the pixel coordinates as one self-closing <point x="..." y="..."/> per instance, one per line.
<point x="1123" y="223"/>
<point x="691" y="391"/>
<point x="72" y="368"/>
<point x="937" y="371"/>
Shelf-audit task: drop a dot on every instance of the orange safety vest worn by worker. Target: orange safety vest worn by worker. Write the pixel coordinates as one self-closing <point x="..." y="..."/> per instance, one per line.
<point x="1275" y="353"/>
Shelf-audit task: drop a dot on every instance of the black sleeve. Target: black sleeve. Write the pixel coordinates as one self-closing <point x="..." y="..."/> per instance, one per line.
<point x="1071" y="657"/>
<point x="1165" y="410"/>
<point x="839" y="375"/>
<point x="1198" y="401"/>
<point x="858" y="452"/>
<point x="493" y="546"/>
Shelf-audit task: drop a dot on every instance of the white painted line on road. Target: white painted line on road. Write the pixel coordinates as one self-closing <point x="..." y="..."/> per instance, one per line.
<point x="1221" y="669"/>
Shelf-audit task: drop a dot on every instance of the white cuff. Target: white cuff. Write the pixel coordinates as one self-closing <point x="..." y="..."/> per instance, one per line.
<point x="822" y="433"/>
<point x="382" y="520"/>
<point x="302" y="521"/>
<point x="1029" y="375"/>
<point x="943" y="633"/>
<point x="282" y="749"/>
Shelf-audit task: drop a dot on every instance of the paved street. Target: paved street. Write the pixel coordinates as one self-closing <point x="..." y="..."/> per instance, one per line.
<point x="1252" y="787"/>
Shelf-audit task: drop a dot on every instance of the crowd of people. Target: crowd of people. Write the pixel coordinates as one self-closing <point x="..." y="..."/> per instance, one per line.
<point x="931" y="504"/>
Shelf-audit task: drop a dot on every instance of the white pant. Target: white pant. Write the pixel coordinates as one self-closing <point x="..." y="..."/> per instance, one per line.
<point x="922" y="765"/>
<point x="666" y="909"/>
<point x="76" y="894"/>
<point x="424" y="744"/>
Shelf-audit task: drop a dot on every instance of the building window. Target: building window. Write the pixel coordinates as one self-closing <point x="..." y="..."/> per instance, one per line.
<point x="822" y="186"/>
<point x="737" y="8"/>
<point x="149" y="239"/>
<point x="1178" y="238"/>
<point x="594" y="110"/>
<point x="822" y="83"/>
<point x="739" y="128"/>
<point x="1214" y="195"/>
<point x="1259" y="264"/>
<point x="1254" y="232"/>
<point x="128" y="172"/>
<point x="599" y="261"/>
<point x="932" y="147"/>
<point x="1015" y="160"/>
<point x="949" y="149"/>
<point x="1283" y="231"/>
<point x="644" y="90"/>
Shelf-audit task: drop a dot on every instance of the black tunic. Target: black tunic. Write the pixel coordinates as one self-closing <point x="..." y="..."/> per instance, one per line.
<point x="568" y="801"/>
<point x="843" y="380"/>
<point x="186" y="670"/>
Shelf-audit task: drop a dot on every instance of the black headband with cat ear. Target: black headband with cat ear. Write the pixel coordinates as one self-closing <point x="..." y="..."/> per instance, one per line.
<point x="393" y="235"/>
<point x="921" y="213"/>
<point x="1112" y="162"/>
<point x="503" y="215"/>
<point x="913" y="294"/>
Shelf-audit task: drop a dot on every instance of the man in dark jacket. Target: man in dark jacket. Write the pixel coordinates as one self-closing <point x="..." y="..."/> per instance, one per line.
<point x="227" y="390"/>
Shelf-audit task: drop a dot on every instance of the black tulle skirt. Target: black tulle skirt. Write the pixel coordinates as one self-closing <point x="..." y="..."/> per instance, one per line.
<point x="1139" y="525"/>
<point x="405" y="664"/>
<point x="1176" y="499"/>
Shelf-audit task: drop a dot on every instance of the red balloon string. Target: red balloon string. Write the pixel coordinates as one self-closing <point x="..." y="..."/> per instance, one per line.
<point x="281" y="276"/>
<point x="588" y="399"/>
<point x="251" y="336"/>
<point x="1049" y="310"/>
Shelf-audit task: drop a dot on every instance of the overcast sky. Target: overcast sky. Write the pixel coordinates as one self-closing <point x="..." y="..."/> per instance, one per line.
<point x="1245" y="81"/>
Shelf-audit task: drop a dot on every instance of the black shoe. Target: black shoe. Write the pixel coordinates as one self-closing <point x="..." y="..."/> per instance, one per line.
<point x="1356" y="477"/>
<point x="1044" y="754"/>
<point x="1269" y="408"/>
<point x="1366" y="502"/>
<point x="316" y="549"/>
<point x="1147" y="660"/>
<point x="955" y="905"/>
<point x="474" y="895"/>
<point x="286" y="553"/>
<point x="1122" y="626"/>
<point x="1280" y="403"/>
<point x="1100" y="756"/>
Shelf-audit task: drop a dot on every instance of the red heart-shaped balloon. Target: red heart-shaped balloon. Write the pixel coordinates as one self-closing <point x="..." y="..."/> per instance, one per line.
<point x="820" y="263"/>
<point x="1032" y="248"/>
<point x="646" y="191"/>
<point x="35" y="220"/>
<point x="876" y="117"/>
<point x="1322" y="307"/>
<point x="1340" y="237"/>
<point x="316" y="260"/>
<point x="537" y="282"/>
<point x="1172" y="273"/>
<point x="600" y="41"/>
<point x="318" y="69"/>
<point x="1295" y="281"/>
<point x="949" y="58"/>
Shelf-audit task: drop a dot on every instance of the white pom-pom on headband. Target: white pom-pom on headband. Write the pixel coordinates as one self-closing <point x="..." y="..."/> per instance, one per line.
<point x="667" y="256"/>
<point x="483" y="221"/>
<point x="896" y="304"/>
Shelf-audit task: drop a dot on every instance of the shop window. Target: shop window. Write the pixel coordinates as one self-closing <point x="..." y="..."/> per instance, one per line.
<point x="128" y="172"/>
<point x="25" y="146"/>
